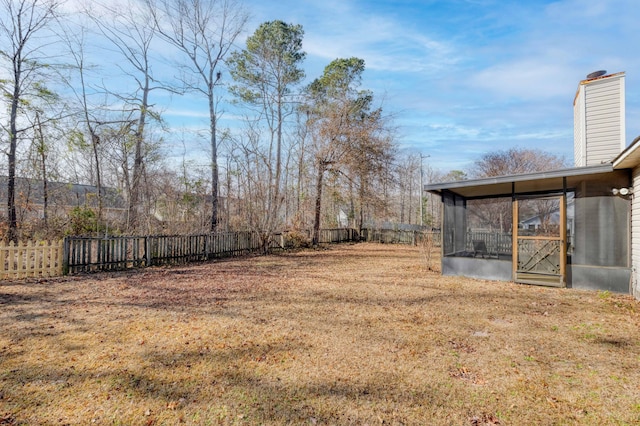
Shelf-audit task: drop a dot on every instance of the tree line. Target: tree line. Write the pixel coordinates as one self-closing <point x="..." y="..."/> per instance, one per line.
<point x="304" y="155"/>
<point x="308" y="152"/>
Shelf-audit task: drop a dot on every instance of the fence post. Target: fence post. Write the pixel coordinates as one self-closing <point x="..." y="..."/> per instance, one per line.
<point x="60" y="256"/>
<point x="147" y="250"/>
<point x="65" y="256"/>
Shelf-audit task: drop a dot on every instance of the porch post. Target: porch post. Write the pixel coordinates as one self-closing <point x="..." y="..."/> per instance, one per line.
<point x="514" y="232"/>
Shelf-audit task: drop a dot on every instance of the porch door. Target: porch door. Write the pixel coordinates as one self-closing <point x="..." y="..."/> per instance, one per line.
<point x="539" y="239"/>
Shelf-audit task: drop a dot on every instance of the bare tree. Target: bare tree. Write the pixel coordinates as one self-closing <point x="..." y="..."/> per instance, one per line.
<point x="75" y="39"/>
<point x="407" y="171"/>
<point x="42" y="150"/>
<point x="23" y="28"/>
<point x="302" y="175"/>
<point x="204" y="31"/>
<point x="347" y="133"/>
<point x="515" y="161"/>
<point x="265" y="74"/>
<point x="372" y="164"/>
<point x="131" y="31"/>
<point x="253" y="162"/>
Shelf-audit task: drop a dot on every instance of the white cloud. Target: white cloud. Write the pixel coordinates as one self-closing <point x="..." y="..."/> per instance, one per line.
<point x="526" y="78"/>
<point x="385" y="45"/>
<point x="187" y="112"/>
<point x="462" y="76"/>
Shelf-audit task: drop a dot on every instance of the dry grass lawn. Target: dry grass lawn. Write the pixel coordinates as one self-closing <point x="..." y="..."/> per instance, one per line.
<point x="355" y="334"/>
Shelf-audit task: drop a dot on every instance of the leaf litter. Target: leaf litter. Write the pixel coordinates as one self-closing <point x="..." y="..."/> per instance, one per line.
<point x="354" y="334"/>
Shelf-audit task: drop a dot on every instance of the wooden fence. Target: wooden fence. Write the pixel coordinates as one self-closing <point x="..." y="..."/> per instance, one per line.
<point x="338" y="235"/>
<point x="90" y="254"/>
<point x="87" y="254"/>
<point x="31" y="259"/>
<point x="393" y="236"/>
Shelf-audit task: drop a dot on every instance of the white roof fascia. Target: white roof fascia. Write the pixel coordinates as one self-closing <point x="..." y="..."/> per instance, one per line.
<point x="574" y="171"/>
<point x="630" y="157"/>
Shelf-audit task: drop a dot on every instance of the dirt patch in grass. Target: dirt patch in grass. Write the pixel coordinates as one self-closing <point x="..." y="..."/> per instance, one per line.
<point x="356" y="334"/>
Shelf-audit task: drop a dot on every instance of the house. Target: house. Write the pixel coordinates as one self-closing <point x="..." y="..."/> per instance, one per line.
<point x="61" y="198"/>
<point x="576" y="227"/>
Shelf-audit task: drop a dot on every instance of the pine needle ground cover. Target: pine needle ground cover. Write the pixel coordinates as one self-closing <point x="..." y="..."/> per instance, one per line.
<point x="355" y="334"/>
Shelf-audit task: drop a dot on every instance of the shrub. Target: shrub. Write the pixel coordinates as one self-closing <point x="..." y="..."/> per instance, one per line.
<point x="82" y="221"/>
<point x="296" y="239"/>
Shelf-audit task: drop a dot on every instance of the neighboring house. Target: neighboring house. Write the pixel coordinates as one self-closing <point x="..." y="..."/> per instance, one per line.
<point x="62" y="197"/>
<point x="342" y="219"/>
<point x="535" y="222"/>
<point x="588" y="236"/>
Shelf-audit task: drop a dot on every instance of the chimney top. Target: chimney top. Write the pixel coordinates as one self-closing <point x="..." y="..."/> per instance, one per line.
<point x="596" y="74"/>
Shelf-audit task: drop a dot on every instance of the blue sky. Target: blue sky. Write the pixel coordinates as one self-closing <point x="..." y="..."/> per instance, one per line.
<point x="465" y="77"/>
<point x="460" y="77"/>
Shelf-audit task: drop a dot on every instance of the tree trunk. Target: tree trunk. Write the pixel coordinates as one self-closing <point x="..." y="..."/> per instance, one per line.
<point x="95" y="141"/>
<point x="352" y="206"/>
<point x="299" y="183"/>
<point x="361" y="220"/>
<point x="227" y="204"/>
<point x="127" y="182"/>
<point x="138" y="162"/>
<point x="361" y="196"/>
<point x="43" y="158"/>
<point x="11" y="156"/>
<point x="214" y="163"/>
<point x="316" y="223"/>
<point x="275" y="210"/>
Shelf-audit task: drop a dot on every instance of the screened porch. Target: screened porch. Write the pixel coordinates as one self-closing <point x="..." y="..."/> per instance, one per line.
<point x="563" y="228"/>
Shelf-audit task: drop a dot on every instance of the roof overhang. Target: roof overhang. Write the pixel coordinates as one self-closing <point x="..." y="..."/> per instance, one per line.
<point x="630" y="157"/>
<point x="524" y="183"/>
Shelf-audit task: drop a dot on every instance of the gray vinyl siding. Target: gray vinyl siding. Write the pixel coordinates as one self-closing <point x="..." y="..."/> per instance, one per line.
<point x="603" y="117"/>
<point x="635" y="235"/>
<point x="578" y="130"/>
